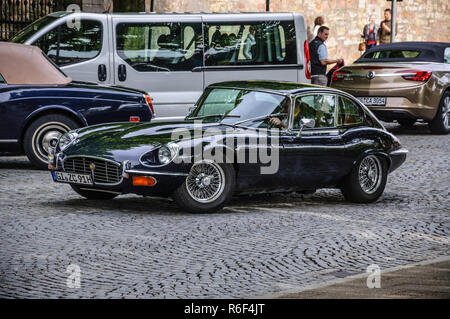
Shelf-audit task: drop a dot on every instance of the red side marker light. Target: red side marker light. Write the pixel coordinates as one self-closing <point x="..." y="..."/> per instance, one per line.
<point x="135" y="119"/>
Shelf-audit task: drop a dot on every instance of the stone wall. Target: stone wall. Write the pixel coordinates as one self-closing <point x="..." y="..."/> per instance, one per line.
<point x="418" y="20"/>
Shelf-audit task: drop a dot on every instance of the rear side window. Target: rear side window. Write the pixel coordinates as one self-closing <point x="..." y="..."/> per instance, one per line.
<point x="2" y="80"/>
<point x="68" y="45"/>
<point x="393" y="54"/>
<point x="319" y="107"/>
<point x="160" y="47"/>
<point x="263" y="43"/>
<point x="349" y="113"/>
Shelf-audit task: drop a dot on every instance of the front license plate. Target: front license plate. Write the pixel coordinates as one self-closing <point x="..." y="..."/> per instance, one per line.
<point x="372" y="100"/>
<point x="84" y="179"/>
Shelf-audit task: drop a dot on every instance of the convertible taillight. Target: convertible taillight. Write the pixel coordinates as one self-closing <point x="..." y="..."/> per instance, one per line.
<point x="416" y="75"/>
<point x="339" y="75"/>
<point x="149" y="103"/>
<point x="307" y="60"/>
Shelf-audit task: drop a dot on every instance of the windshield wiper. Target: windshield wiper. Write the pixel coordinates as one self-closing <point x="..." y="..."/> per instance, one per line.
<point x="212" y="115"/>
<point x="260" y="118"/>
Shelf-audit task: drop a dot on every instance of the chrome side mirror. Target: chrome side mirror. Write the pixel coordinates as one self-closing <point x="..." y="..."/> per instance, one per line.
<point x="308" y="123"/>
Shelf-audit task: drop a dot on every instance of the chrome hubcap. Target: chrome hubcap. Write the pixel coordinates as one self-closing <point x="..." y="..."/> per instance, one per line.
<point x="370" y="174"/>
<point x="205" y="182"/>
<point x="446" y="112"/>
<point x="47" y="136"/>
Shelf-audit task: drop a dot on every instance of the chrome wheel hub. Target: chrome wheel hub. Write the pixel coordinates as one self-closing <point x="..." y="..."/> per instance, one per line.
<point x="205" y="182"/>
<point x="446" y="112"/>
<point x="46" y="136"/>
<point x="370" y="174"/>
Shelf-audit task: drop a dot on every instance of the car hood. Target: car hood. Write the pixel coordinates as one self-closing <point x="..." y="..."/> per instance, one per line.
<point x="124" y="141"/>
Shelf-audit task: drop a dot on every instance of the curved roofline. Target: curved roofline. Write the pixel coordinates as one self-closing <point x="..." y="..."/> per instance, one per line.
<point x="278" y="87"/>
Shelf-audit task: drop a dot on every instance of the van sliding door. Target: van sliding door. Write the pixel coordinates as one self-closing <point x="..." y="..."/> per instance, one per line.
<point x="159" y="54"/>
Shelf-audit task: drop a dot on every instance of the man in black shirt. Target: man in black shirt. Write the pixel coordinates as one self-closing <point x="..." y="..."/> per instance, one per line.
<point x="319" y="57"/>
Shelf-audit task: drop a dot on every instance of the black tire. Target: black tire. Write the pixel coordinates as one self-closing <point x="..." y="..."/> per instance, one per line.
<point x="441" y="122"/>
<point x="187" y="195"/>
<point x="93" y="194"/>
<point x="406" y="123"/>
<point x="352" y="189"/>
<point x="42" y="132"/>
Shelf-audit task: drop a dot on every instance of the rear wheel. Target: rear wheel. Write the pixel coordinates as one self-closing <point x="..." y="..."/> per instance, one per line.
<point x="366" y="181"/>
<point x="44" y="133"/>
<point x="91" y="194"/>
<point x="208" y="187"/>
<point x="441" y="122"/>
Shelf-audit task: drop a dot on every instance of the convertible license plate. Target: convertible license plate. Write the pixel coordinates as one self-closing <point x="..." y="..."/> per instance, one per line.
<point x="84" y="179"/>
<point x="372" y="100"/>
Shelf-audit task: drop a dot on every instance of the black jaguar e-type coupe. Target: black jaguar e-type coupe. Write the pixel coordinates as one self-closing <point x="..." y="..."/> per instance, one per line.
<point x="242" y="137"/>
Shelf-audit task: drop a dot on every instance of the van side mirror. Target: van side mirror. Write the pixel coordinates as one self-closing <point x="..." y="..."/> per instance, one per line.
<point x="308" y="123"/>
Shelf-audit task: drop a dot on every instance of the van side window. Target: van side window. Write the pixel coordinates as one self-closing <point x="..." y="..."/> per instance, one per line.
<point x="319" y="107"/>
<point x="349" y="113"/>
<point x="68" y="45"/>
<point x="263" y="43"/>
<point x="160" y="46"/>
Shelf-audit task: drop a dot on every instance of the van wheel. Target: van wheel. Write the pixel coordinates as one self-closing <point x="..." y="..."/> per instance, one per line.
<point x="366" y="181"/>
<point x="208" y="187"/>
<point x="93" y="194"/>
<point x="441" y="122"/>
<point x="44" y="133"/>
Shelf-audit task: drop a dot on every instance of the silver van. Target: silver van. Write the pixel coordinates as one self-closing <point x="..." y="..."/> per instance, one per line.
<point x="173" y="56"/>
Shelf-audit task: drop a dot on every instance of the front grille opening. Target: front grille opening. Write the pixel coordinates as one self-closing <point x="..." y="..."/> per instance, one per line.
<point x="105" y="172"/>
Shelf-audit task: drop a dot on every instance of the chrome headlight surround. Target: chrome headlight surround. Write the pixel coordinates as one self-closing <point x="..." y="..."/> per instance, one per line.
<point x="66" y="139"/>
<point x="167" y="153"/>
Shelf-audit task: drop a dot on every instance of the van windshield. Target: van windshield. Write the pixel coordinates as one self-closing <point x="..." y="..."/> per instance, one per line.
<point x="29" y="31"/>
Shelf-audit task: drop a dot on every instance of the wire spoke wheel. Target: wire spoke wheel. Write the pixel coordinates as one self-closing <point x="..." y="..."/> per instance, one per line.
<point x="205" y="182"/>
<point x="446" y="112"/>
<point x="370" y="174"/>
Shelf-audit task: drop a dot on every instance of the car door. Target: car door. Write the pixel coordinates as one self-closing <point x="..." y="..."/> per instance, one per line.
<point x="80" y="49"/>
<point x="158" y="54"/>
<point x="311" y="157"/>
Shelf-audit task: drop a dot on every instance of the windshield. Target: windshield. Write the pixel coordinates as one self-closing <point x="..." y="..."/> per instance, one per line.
<point x="231" y="106"/>
<point x="29" y="31"/>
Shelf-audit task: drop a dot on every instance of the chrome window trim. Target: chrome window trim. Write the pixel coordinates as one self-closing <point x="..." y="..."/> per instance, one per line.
<point x="316" y="129"/>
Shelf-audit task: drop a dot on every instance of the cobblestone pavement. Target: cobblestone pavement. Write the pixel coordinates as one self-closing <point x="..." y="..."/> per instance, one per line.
<point x="135" y="247"/>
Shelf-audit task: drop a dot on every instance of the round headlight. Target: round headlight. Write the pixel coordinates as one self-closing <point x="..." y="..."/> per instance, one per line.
<point x="66" y="139"/>
<point x="167" y="153"/>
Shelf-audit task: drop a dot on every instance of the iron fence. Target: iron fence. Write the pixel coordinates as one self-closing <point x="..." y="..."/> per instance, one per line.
<point x="17" y="14"/>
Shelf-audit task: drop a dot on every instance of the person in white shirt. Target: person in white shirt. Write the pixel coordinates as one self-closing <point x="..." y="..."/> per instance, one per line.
<point x="249" y="43"/>
<point x="318" y="22"/>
